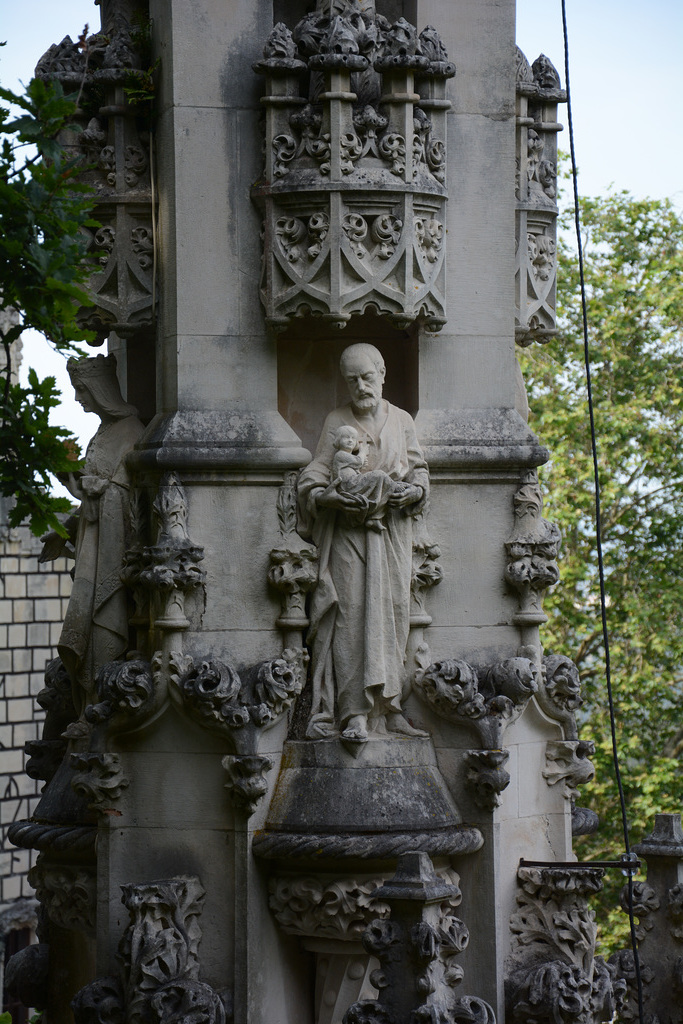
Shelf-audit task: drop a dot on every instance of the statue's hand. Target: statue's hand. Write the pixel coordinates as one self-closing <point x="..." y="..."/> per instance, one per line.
<point x="405" y="494"/>
<point x="93" y="486"/>
<point x="53" y="546"/>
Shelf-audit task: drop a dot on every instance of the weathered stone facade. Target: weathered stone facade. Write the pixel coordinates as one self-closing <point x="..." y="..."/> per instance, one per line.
<point x="305" y="707"/>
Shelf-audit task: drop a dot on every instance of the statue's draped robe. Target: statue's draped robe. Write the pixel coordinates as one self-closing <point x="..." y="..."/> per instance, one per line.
<point x="95" y="627"/>
<point x="360" y="608"/>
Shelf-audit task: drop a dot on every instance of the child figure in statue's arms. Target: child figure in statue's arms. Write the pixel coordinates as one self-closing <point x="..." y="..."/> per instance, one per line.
<point x="371" y="489"/>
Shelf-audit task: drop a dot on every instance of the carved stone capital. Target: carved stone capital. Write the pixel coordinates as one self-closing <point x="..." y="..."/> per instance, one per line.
<point x="486" y="699"/>
<point x="215" y="696"/>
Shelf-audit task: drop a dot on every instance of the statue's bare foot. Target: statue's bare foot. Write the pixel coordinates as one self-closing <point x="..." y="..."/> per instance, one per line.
<point x="397" y="723"/>
<point x="356" y="729"/>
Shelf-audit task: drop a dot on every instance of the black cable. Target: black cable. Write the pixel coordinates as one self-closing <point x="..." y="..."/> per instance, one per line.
<point x="598" y="515"/>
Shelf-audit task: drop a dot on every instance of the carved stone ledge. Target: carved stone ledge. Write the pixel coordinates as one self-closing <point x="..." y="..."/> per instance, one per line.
<point x="485" y="699"/>
<point x="321" y="847"/>
<point x="37" y="835"/>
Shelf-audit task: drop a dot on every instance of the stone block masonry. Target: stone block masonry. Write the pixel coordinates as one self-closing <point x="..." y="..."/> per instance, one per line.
<point x="33" y="599"/>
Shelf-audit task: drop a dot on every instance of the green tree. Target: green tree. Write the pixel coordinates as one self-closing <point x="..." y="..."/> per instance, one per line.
<point x="43" y="267"/>
<point x="634" y="280"/>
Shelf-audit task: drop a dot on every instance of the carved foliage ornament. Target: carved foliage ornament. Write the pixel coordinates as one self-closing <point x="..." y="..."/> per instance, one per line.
<point x="532" y="551"/>
<point x="66" y="892"/>
<point x="486" y="699"/>
<point x="553" y="974"/>
<point x="159" y="981"/>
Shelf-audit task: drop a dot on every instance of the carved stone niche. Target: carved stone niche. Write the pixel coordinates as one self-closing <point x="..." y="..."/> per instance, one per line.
<point x="353" y="192"/>
<point x="538" y="94"/>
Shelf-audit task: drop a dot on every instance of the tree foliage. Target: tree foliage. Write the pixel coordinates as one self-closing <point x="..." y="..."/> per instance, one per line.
<point x="43" y="267"/>
<point x="634" y="279"/>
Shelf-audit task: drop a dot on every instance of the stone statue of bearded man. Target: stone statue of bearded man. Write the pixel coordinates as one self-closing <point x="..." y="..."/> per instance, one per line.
<point x="360" y="609"/>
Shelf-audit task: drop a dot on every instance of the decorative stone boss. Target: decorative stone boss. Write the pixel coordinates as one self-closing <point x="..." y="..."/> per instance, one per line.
<point x="358" y="498"/>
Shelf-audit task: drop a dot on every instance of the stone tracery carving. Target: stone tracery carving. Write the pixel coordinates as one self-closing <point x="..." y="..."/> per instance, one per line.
<point x="538" y="95"/>
<point x="116" y="145"/>
<point x="377" y="96"/>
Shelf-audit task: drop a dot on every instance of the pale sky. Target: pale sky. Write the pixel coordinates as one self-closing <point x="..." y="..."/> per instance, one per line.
<point x="626" y="79"/>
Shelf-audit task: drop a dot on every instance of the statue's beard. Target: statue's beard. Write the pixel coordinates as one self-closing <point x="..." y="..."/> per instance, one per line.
<point x="367" y="401"/>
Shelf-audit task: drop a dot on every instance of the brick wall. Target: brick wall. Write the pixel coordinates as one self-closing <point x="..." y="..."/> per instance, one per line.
<point x="33" y="600"/>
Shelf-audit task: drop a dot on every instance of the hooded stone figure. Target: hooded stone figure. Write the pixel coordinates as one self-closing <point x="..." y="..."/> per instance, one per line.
<point x="95" y="628"/>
